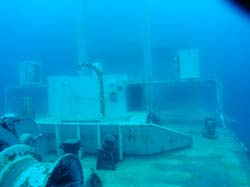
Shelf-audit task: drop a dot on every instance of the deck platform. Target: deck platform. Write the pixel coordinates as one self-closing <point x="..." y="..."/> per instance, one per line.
<point x="222" y="162"/>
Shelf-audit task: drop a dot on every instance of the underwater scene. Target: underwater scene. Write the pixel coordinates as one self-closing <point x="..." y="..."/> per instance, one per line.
<point x="119" y="93"/>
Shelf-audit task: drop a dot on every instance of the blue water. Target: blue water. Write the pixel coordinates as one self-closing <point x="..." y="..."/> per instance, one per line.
<point x="46" y="31"/>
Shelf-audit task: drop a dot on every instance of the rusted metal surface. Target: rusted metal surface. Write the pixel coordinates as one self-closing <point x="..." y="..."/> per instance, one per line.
<point x="14" y="130"/>
<point x="20" y="166"/>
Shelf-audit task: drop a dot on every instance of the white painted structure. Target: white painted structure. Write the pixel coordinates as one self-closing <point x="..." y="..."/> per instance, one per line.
<point x="30" y="73"/>
<point x="74" y="111"/>
<point x="76" y="98"/>
<point x="134" y="138"/>
<point x="189" y="66"/>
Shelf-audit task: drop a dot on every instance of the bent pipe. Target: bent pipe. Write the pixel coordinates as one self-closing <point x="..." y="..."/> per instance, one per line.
<point x="20" y="166"/>
<point x="101" y="86"/>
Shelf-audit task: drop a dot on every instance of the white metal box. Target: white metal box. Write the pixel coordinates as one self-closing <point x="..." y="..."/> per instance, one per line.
<point x="30" y="73"/>
<point x="76" y="98"/>
<point x="189" y="66"/>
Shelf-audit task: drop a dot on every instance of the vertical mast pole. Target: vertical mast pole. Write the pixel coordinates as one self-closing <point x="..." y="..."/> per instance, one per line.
<point x="147" y="51"/>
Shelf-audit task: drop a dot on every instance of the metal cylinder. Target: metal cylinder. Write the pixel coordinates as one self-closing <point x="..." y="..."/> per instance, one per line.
<point x="209" y="130"/>
<point x="20" y="166"/>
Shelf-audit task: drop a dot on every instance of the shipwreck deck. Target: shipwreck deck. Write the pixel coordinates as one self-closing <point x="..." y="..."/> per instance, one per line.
<point x="222" y="162"/>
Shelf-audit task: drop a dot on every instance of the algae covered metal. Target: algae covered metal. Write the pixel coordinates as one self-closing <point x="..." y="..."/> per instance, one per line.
<point x="21" y="167"/>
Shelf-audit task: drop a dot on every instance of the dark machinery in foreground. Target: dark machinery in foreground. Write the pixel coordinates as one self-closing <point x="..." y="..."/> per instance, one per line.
<point x="209" y="130"/>
<point x="21" y="155"/>
<point x="14" y="130"/>
<point x="108" y="154"/>
<point x="20" y="166"/>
